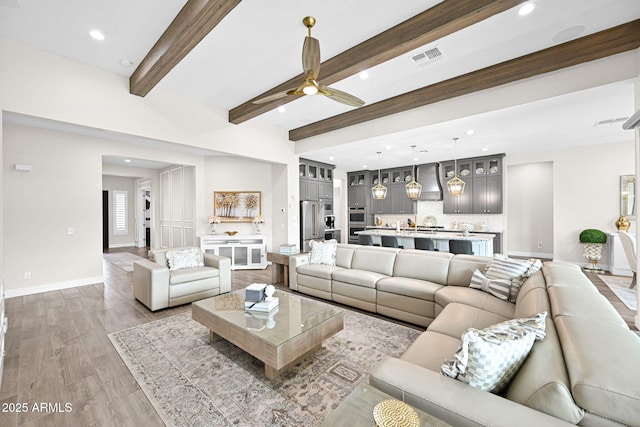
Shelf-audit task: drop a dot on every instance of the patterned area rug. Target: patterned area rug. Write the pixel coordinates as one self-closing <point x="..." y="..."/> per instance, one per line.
<point x="123" y="260"/>
<point x="619" y="285"/>
<point x="192" y="382"/>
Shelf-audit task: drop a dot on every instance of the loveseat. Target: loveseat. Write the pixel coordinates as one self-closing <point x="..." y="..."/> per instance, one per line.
<point x="176" y="276"/>
<point x="586" y="370"/>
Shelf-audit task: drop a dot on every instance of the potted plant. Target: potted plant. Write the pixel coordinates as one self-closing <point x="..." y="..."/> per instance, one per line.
<point x="593" y="241"/>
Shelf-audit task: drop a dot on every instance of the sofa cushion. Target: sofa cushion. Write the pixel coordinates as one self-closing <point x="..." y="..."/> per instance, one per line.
<point x="379" y="260"/>
<point x="456" y="318"/>
<point x="184" y="258"/>
<point x="461" y="268"/>
<point x="566" y="275"/>
<point x="474" y="298"/>
<point x="602" y="362"/>
<point x="363" y="278"/>
<point x="191" y="274"/>
<point x="567" y="301"/>
<point x="488" y="358"/>
<point x="424" y="265"/>
<point x="321" y="271"/>
<point x="542" y="382"/>
<point x="323" y="252"/>
<point x="415" y="288"/>
<point x="430" y="349"/>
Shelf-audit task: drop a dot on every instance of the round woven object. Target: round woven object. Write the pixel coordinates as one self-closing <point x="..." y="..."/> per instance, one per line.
<point x="393" y="413"/>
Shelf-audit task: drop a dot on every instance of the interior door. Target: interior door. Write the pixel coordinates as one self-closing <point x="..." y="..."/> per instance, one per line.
<point x="105" y="220"/>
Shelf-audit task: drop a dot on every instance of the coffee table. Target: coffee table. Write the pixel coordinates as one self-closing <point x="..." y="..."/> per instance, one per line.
<point x="357" y="410"/>
<point x="296" y="328"/>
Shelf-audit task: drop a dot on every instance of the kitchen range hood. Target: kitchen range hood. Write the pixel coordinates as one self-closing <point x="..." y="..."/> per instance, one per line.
<point x="429" y="177"/>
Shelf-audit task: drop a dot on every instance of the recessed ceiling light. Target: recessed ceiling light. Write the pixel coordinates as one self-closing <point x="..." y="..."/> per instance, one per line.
<point x="485" y="149"/>
<point x="364" y="166"/>
<point x="364" y="75"/>
<point x="96" y="34"/>
<point x="127" y="160"/>
<point x="526" y="8"/>
<point x="330" y="157"/>
<point x="388" y="147"/>
<point x="471" y="132"/>
<point x="281" y="109"/>
<point x="126" y="63"/>
<point x="415" y="159"/>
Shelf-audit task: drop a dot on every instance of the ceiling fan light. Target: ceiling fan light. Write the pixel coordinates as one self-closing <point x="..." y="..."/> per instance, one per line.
<point x="455" y="186"/>
<point x="310" y="88"/>
<point x="379" y="191"/>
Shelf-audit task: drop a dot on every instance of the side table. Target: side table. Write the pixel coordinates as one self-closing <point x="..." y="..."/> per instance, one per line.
<point x="357" y="410"/>
<point x="280" y="270"/>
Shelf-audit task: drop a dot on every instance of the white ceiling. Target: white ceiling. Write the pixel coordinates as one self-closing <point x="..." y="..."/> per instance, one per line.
<point x="258" y="45"/>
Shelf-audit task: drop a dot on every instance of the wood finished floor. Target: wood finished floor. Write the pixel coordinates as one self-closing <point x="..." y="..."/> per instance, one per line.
<point x="58" y="352"/>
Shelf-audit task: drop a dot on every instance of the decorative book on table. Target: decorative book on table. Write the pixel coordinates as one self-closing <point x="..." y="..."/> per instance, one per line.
<point x="263" y="306"/>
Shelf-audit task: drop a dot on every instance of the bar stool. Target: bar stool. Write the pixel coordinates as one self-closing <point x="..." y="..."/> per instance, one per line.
<point x="424" y="243"/>
<point x="390" y="242"/>
<point x="366" y="240"/>
<point x="460" y="247"/>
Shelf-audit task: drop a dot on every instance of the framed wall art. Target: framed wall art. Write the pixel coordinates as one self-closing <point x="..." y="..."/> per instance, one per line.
<point x="237" y="206"/>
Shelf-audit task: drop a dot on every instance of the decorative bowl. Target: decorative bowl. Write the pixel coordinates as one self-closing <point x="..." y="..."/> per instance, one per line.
<point x="231" y="233"/>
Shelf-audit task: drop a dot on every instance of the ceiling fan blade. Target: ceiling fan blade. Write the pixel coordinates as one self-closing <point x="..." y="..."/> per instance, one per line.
<point x="273" y="97"/>
<point x="340" y="96"/>
<point x="311" y="58"/>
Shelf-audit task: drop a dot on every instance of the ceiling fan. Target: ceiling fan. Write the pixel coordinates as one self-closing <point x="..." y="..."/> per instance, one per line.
<point x="311" y="66"/>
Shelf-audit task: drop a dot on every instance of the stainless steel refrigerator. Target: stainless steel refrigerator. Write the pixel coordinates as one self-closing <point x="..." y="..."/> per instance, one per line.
<point x="311" y="223"/>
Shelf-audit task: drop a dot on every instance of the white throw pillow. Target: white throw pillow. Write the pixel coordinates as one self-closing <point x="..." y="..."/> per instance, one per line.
<point x="489" y="358"/>
<point x="323" y="252"/>
<point x="185" y="258"/>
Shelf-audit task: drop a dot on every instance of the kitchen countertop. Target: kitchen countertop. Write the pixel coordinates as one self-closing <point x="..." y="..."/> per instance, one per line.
<point x="406" y="233"/>
<point x="422" y="228"/>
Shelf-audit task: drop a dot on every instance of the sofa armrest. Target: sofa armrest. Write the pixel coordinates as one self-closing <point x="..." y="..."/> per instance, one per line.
<point x="151" y="284"/>
<point x="294" y="262"/>
<point x="223" y="264"/>
<point x="453" y="401"/>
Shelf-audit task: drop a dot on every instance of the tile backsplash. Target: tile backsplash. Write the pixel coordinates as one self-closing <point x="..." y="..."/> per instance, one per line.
<point x="435" y="209"/>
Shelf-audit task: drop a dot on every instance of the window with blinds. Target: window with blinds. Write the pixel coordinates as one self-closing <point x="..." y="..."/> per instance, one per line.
<point x="120" y="225"/>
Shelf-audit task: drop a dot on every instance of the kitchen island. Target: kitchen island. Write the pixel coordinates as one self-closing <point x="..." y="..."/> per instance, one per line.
<point x="482" y="244"/>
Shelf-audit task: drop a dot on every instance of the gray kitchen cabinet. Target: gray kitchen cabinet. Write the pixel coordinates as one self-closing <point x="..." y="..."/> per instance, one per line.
<point x="483" y="186"/>
<point x="400" y="202"/>
<point x="316" y="180"/>
<point x="358" y="192"/>
<point x="487" y="195"/>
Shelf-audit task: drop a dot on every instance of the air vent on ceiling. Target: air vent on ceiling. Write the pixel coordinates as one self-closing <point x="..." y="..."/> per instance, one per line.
<point x="609" y="122"/>
<point x="427" y="57"/>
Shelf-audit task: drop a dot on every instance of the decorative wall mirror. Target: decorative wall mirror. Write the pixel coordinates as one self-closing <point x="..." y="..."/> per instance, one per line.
<point x="628" y="196"/>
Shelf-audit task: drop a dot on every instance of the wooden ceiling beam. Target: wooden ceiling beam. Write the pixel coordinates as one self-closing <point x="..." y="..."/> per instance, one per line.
<point x="589" y="48"/>
<point x="194" y="21"/>
<point x="433" y="24"/>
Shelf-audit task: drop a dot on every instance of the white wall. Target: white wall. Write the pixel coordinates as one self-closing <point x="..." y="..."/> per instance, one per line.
<point x="586" y="192"/>
<point x="63" y="190"/>
<point x="529" y="202"/>
<point x="111" y="183"/>
<point x="235" y="174"/>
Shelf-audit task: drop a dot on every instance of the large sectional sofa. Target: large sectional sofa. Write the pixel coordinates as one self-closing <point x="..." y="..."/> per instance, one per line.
<point x="586" y="371"/>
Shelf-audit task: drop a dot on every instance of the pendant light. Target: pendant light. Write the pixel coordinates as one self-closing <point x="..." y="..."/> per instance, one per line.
<point x="379" y="191"/>
<point x="413" y="188"/>
<point x="455" y="185"/>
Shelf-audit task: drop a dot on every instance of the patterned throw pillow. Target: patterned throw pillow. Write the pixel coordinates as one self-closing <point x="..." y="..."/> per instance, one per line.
<point x="489" y="358"/>
<point x="504" y="268"/>
<point x="323" y="252"/>
<point x="185" y="258"/>
<point x="499" y="288"/>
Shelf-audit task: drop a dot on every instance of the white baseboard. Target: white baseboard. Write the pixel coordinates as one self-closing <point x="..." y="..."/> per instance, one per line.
<point x="122" y="245"/>
<point x="10" y="293"/>
<point x="531" y="254"/>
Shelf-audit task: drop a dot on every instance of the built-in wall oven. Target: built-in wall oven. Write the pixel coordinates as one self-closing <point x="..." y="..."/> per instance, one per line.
<point x="357" y="222"/>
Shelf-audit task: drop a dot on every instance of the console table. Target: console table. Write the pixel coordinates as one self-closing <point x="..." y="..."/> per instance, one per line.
<point x="246" y="251"/>
<point x="618" y="263"/>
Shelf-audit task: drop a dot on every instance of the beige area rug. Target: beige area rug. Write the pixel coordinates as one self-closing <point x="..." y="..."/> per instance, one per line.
<point x="619" y="285"/>
<point x="192" y="382"/>
<point x="123" y="260"/>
